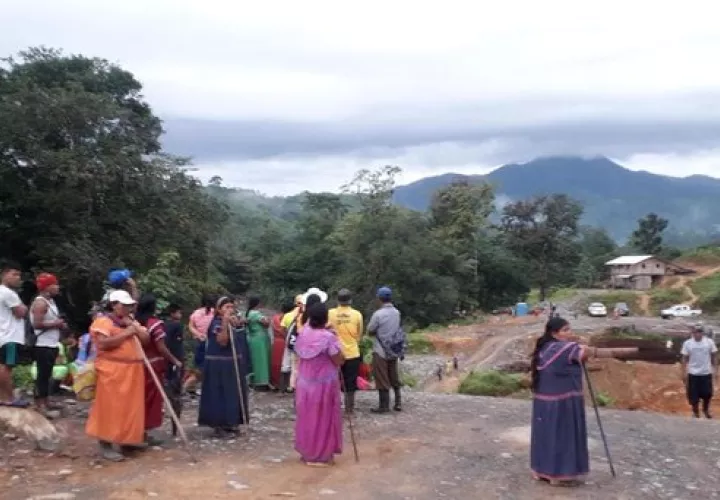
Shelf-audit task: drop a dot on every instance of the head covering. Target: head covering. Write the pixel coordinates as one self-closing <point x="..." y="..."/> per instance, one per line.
<point x="344" y="296"/>
<point x="45" y="280"/>
<point x="221" y="302"/>
<point x="118" y="277"/>
<point x="698" y="327"/>
<point x="121" y="296"/>
<point x="384" y="292"/>
<point x="314" y="291"/>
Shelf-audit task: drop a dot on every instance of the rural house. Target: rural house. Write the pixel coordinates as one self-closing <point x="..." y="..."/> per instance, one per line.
<point x="641" y="272"/>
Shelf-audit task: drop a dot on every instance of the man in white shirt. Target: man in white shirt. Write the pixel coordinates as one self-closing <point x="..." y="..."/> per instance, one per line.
<point x="12" y="329"/>
<point x="699" y="366"/>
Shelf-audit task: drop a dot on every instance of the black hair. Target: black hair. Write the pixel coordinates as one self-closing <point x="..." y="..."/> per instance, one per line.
<point x="553" y="326"/>
<point x="311" y="300"/>
<point x="288" y="305"/>
<point x="208" y="302"/>
<point x="146" y="308"/>
<point x="225" y="299"/>
<point x="344" y="296"/>
<point x="9" y="265"/>
<point x="318" y="315"/>
<point x="172" y="308"/>
<point x="253" y="302"/>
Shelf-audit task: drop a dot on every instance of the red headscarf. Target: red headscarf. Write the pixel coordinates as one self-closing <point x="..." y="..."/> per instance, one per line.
<point x="45" y="280"/>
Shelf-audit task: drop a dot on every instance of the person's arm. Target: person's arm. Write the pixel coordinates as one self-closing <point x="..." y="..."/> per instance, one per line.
<point x="12" y="301"/>
<point x="165" y="352"/>
<point x="38" y="310"/>
<point x="193" y="329"/>
<point x="141" y="332"/>
<point x="714" y="358"/>
<point x="335" y="352"/>
<point x="359" y="327"/>
<point x="373" y="325"/>
<point x="105" y="342"/>
<point x="684" y="359"/>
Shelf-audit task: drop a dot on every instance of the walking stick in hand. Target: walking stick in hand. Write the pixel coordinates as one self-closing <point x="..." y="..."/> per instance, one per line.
<point x="597" y="415"/>
<point x="246" y="417"/>
<point x="349" y="419"/>
<point x="168" y="403"/>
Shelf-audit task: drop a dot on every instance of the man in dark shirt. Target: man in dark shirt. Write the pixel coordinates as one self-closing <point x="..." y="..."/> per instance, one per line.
<point x="174" y="334"/>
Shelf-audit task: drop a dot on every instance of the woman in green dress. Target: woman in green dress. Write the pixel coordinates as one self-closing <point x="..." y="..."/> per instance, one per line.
<point x="259" y="343"/>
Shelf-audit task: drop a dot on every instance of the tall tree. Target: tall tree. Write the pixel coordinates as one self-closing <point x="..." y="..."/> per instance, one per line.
<point x="648" y="237"/>
<point x="542" y="231"/>
<point x="84" y="184"/>
<point x="458" y="214"/>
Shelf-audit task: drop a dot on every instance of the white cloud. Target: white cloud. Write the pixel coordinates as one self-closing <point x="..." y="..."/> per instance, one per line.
<point x="516" y="64"/>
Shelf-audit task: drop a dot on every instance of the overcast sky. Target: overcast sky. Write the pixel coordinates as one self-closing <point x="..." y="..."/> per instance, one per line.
<point x="285" y="96"/>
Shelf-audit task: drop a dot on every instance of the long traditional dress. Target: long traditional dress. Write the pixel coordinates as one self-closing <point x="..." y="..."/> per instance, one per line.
<point x="278" y="350"/>
<point x="153" y="397"/>
<point x="318" y="427"/>
<point x="118" y="411"/>
<point x="558" y="444"/>
<point x="259" y="343"/>
<point x="220" y="405"/>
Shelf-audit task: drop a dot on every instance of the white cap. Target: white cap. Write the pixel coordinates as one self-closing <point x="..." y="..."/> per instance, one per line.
<point x="315" y="291"/>
<point x="121" y="296"/>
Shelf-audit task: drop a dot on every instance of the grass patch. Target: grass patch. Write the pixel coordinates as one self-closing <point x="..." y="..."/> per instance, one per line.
<point x="418" y="343"/>
<point x="708" y="290"/>
<point x="632" y="300"/>
<point x="662" y="298"/>
<point x="408" y="379"/>
<point x="555" y="295"/>
<point x="603" y="399"/>
<point x="490" y="383"/>
<point x="22" y="379"/>
<point x="702" y="256"/>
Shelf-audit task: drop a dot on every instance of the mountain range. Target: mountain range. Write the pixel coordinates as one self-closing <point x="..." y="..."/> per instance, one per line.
<point x="613" y="196"/>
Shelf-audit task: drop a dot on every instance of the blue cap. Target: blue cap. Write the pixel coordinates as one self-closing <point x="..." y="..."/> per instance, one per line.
<point x="118" y="277"/>
<point x="384" y="292"/>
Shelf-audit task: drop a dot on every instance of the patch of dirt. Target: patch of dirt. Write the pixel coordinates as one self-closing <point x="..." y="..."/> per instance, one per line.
<point x="639" y="385"/>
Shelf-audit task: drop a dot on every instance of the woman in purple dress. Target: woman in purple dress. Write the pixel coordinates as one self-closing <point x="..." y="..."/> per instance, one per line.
<point x="318" y="427"/>
<point x="558" y="442"/>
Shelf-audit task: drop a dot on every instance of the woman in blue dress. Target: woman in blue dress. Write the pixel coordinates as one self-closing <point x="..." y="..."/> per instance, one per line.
<point x="220" y="404"/>
<point x="558" y="443"/>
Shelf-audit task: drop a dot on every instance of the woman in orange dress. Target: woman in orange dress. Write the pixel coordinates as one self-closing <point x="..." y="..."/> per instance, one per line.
<point x="117" y="416"/>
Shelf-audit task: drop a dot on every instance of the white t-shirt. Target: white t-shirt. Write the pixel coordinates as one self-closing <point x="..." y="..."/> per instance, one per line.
<point x="12" y="329"/>
<point x="699" y="355"/>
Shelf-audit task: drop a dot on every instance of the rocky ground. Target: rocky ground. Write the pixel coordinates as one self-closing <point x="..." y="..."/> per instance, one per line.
<point x="442" y="446"/>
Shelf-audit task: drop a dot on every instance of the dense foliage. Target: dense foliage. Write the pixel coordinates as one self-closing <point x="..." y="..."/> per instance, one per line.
<point x="85" y="186"/>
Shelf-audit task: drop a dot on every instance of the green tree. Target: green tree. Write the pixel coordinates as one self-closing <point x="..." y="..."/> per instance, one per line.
<point x="647" y="238"/>
<point x="542" y="231"/>
<point x="84" y="184"/>
<point x="596" y="247"/>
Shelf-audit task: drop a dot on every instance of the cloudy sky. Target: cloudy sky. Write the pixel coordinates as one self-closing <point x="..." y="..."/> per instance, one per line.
<point x="285" y="96"/>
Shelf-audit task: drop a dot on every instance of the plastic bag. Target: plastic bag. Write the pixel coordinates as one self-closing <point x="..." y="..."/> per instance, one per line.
<point x="84" y="382"/>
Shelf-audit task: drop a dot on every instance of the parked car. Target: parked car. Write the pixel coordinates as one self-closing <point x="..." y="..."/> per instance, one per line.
<point x="597" y="310"/>
<point x="622" y="309"/>
<point x="679" y="311"/>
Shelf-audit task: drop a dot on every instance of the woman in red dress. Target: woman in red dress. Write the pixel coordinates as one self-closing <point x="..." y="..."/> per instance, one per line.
<point x="159" y="356"/>
<point x="278" y="346"/>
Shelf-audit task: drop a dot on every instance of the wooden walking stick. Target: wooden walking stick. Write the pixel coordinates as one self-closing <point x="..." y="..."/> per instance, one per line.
<point x="246" y="417"/>
<point x="349" y="419"/>
<point x="168" y="403"/>
<point x="597" y="415"/>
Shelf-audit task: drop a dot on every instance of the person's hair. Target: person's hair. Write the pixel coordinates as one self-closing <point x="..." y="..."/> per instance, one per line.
<point x="172" y="308"/>
<point x="222" y="301"/>
<point x="344" y="296"/>
<point x="288" y="305"/>
<point x="253" y="302"/>
<point x="309" y="302"/>
<point x="9" y="265"/>
<point x="208" y="302"/>
<point x="146" y="308"/>
<point x="553" y="326"/>
<point x="318" y="315"/>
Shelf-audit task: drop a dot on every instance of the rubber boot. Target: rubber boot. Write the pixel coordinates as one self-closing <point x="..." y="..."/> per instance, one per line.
<point x="384" y="402"/>
<point x="398" y="399"/>
<point x="696" y="412"/>
<point x="350" y="403"/>
<point x="706" y="408"/>
<point x="108" y="453"/>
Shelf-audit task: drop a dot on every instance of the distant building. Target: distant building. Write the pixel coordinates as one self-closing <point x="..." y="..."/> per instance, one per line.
<point x="641" y="272"/>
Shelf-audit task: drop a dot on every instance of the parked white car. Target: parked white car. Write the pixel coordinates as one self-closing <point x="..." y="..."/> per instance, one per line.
<point x="596" y="309"/>
<point x="680" y="311"/>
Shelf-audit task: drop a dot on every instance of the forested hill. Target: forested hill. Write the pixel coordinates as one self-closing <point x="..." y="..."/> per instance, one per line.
<point x="613" y="197"/>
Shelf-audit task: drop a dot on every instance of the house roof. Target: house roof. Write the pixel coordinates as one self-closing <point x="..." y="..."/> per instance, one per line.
<point x="628" y="260"/>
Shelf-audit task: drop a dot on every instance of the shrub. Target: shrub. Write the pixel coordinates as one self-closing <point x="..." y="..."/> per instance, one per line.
<point x="604" y="399"/>
<point x="490" y="383"/>
<point x="408" y="379"/>
<point x="708" y="290"/>
<point x="22" y="379"/>
<point x="702" y="256"/>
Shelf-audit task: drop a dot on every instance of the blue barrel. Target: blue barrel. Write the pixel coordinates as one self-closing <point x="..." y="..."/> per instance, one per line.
<point x="521" y="309"/>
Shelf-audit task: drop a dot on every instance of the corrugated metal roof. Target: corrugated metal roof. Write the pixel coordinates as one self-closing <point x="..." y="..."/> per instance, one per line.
<point x="628" y="260"/>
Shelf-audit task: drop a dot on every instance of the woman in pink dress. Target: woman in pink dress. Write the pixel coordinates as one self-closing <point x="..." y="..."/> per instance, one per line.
<point x="318" y="427"/>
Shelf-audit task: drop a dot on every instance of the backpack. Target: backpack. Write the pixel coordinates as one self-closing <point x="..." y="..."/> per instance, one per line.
<point x="292" y="335"/>
<point x="397" y="345"/>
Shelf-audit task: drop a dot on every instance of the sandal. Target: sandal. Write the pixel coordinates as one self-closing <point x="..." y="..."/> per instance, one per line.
<point x="16" y="403"/>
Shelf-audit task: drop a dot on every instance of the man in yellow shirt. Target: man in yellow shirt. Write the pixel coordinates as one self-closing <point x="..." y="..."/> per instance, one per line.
<point x="348" y="324"/>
